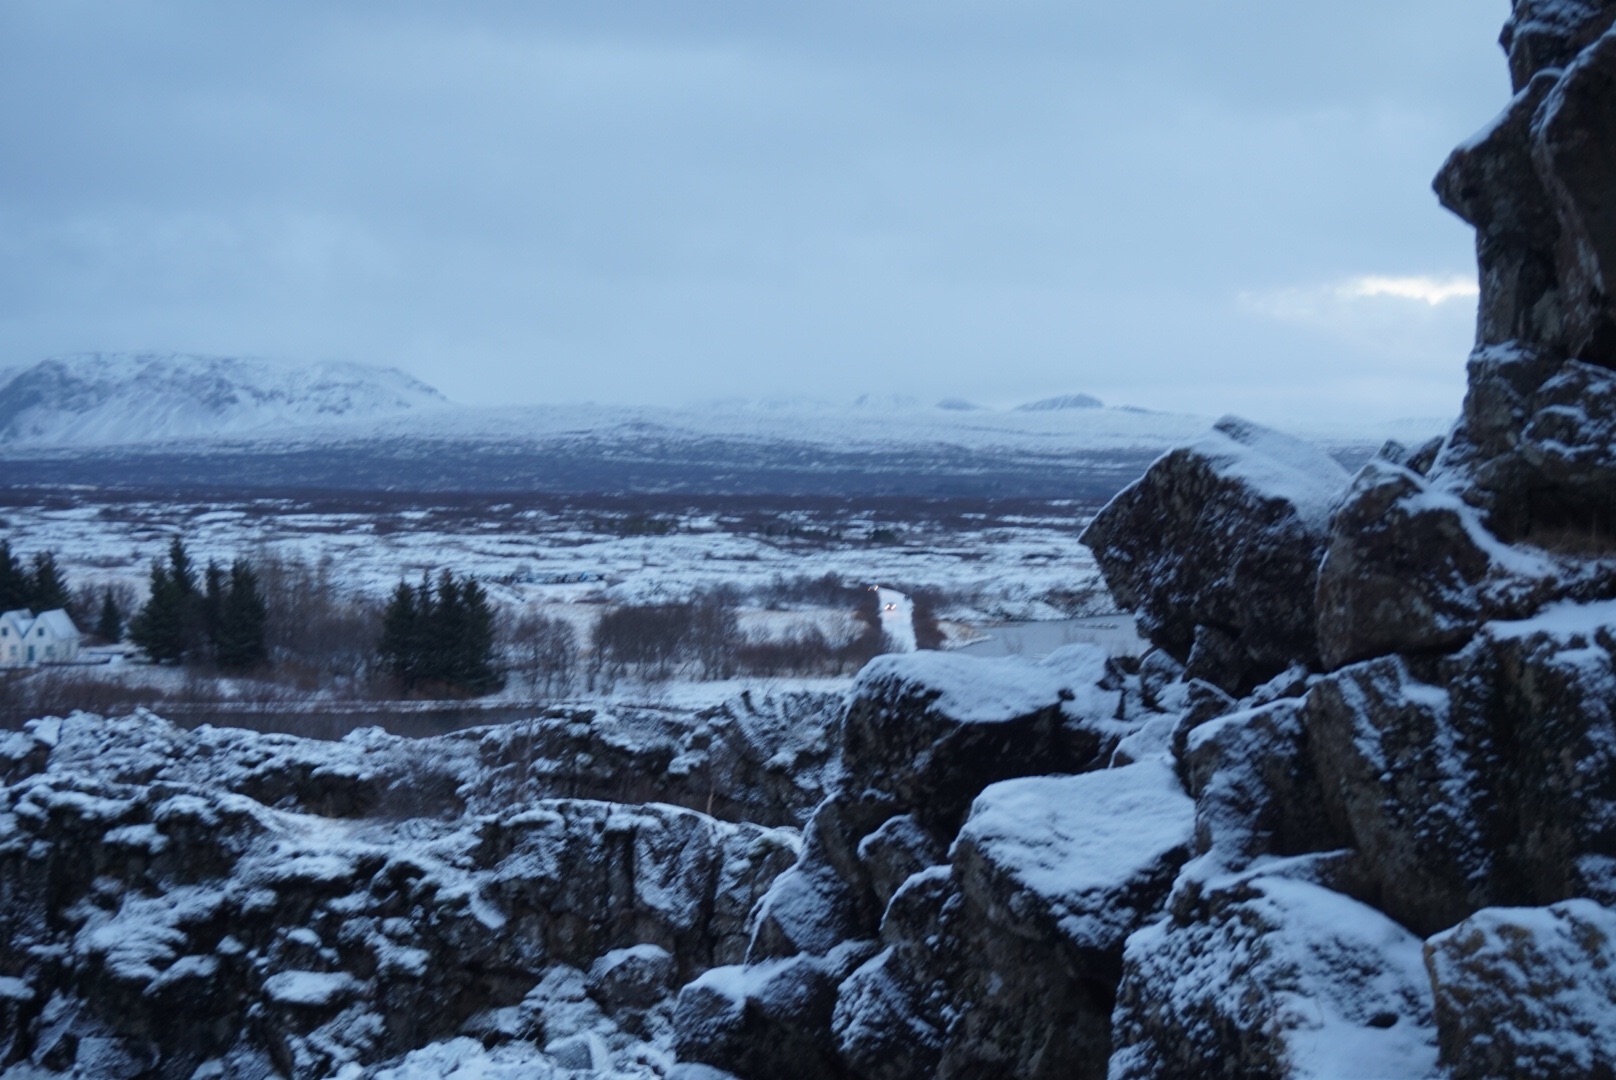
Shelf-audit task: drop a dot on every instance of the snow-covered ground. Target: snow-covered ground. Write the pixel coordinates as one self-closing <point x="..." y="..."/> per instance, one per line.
<point x="570" y="564"/>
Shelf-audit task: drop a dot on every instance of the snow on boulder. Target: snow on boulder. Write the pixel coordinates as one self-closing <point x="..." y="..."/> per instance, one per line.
<point x="768" y="1019"/>
<point x="1216" y="548"/>
<point x="1085" y="859"/>
<point x="932" y="729"/>
<point x="1399" y="777"/>
<point x="1256" y="791"/>
<point x="1276" y="979"/>
<point x="1527" y="992"/>
<point x="1413" y="569"/>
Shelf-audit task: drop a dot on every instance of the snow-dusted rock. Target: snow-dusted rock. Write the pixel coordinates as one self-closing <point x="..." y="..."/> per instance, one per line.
<point x="1542" y="692"/>
<point x="767" y="1019"/>
<point x="1527" y="992"/>
<point x="1256" y="790"/>
<point x="898" y="850"/>
<point x="1274" y="978"/>
<point x="1217" y="548"/>
<point x="1549" y="33"/>
<point x="177" y="923"/>
<point x="1400" y="777"/>
<point x="640" y="975"/>
<point x="1491" y="183"/>
<point x="1572" y="133"/>
<point x="1083" y="859"/>
<point x="930" y="730"/>
<point x="1409" y="568"/>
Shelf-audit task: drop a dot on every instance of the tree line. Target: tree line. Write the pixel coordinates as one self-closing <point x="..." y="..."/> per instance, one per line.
<point x="440" y="635"/>
<point x="220" y="620"/>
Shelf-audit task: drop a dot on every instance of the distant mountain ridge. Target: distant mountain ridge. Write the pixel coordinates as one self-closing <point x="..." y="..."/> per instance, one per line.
<point x="99" y="399"/>
<point x="1065" y="401"/>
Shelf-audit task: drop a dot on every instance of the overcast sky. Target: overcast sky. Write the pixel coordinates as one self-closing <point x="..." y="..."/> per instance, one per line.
<point x="1172" y="203"/>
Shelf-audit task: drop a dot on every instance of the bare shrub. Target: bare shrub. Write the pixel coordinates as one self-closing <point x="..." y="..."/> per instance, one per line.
<point x="314" y="626"/>
<point x="546" y="649"/>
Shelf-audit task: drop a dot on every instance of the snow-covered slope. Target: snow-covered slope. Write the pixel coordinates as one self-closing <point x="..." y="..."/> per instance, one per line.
<point x="108" y="398"/>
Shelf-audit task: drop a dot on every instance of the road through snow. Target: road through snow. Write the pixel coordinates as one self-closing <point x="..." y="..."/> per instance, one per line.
<point x="898" y="619"/>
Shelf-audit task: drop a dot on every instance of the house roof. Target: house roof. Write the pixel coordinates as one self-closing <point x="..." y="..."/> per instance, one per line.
<point x="21" y="618"/>
<point x="58" y="623"/>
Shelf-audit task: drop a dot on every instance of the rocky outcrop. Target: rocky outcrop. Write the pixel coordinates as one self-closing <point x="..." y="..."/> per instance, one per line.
<point x="1217" y="549"/>
<point x="179" y="926"/>
<point x="1270" y="977"/>
<point x="993" y="901"/>
<point x="1527" y="992"/>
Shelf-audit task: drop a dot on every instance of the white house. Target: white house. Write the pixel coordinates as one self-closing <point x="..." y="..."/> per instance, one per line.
<point x="25" y="640"/>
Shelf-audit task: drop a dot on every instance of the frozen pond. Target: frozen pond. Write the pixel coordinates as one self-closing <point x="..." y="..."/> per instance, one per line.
<point x="1115" y="632"/>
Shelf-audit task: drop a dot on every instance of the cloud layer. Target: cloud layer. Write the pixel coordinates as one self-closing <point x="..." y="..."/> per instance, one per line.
<point x="640" y="202"/>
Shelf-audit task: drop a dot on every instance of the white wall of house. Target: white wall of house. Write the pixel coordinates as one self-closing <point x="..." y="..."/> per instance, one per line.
<point x="27" y="640"/>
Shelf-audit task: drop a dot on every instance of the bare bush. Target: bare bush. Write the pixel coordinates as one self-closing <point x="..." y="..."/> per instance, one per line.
<point x="315" y="628"/>
<point x="546" y="649"/>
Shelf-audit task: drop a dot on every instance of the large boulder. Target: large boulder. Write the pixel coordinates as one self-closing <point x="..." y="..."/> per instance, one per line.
<point x="768" y="1019"/>
<point x="1273" y="979"/>
<point x="1083" y="860"/>
<point x="1401" y="776"/>
<point x="1411" y="568"/>
<point x="1540" y="697"/>
<point x="1527" y="992"/>
<point x="1491" y="183"/>
<point x="1544" y="34"/>
<point x="1005" y="962"/>
<point x="930" y="730"/>
<point x="1574" y="148"/>
<point x="1217" y="549"/>
<point x="1257" y="793"/>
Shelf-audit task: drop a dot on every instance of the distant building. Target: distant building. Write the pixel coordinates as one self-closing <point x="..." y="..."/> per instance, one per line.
<point x="27" y="639"/>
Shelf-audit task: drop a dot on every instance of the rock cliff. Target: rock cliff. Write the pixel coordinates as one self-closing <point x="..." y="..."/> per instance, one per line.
<point x="1354" y="816"/>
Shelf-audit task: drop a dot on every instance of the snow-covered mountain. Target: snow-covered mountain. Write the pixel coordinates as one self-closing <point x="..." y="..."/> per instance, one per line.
<point x="109" y="398"/>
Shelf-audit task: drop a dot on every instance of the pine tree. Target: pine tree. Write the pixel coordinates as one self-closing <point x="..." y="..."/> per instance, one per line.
<point x="400" y="646"/>
<point x="211" y="608"/>
<point x="47" y="589"/>
<point x="109" y="627"/>
<point x="440" y="634"/>
<point x="170" y="625"/>
<point x="474" y="667"/>
<point x="16" y="589"/>
<point x="239" y="643"/>
<point x="159" y="626"/>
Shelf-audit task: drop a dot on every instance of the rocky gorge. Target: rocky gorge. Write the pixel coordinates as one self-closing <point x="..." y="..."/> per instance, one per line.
<point x="1353" y="816"/>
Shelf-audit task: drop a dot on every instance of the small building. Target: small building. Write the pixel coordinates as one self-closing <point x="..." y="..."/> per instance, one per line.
<point x="27" y="639"/>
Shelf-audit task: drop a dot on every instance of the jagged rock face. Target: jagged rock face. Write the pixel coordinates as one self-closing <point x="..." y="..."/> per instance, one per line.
<point x="1527" y="992"/>
<point x="1492" y="783"/>
<point x="171" y="925"/>
<point x="1274" y="978"/>
<point x="992" y="947"/>
<point x="1550" y="33"/>
<point x="1217" y="548"/>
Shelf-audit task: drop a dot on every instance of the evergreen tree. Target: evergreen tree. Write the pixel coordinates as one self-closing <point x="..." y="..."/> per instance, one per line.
<point x="159" y="626"/>
<point x="109" y="627"/>
<point x="239" y="642"/>
<point x="16" y="590"/>
<point x="179" y="562"/>
<point x="211" y="608"/>
<point x="440" y="635"/>
<point x="47" y="589"/>
<point x="170" y="626"/>
<point x="474" y="656"/>
<point x="400" y="646"/>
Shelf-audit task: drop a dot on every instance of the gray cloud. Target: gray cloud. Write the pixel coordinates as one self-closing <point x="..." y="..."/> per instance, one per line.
<point x="634" y="201"/>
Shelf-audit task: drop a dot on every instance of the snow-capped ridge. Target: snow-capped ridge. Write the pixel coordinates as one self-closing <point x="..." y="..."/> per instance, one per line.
<point x="112" y="398"/>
